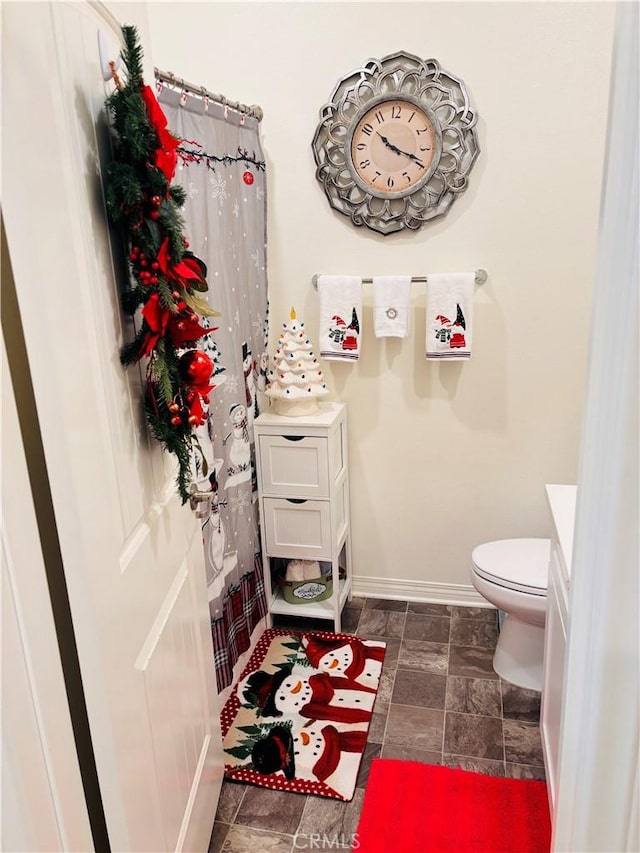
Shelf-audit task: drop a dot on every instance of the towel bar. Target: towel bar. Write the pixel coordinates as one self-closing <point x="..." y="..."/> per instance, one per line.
<point x="481" y="277"/>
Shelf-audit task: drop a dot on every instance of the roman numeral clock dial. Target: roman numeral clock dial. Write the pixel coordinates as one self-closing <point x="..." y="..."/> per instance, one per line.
<point x="395" y="143"/>
<point x="393" y="147"/>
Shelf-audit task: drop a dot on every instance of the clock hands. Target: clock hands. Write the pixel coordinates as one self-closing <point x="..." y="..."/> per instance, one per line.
<point x="397" y="150"/>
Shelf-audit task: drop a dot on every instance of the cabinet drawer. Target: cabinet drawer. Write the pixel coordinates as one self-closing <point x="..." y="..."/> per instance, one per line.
<point x="294" y="465"/>
<point x="297" y="528"/>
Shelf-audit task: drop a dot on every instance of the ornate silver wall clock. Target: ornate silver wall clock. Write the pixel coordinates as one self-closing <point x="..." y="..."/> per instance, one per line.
<point x="396" y="142"/>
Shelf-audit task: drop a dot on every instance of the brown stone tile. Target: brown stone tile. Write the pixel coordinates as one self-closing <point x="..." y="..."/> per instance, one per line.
<point x="378" y="722"/>
<point x="349" y="620"/>
<point x="433" y="629"/>
<point x="391" y="652"/>
<point x="473" y="632"/>
<point x="417" y="728"/>
<point x="475" y="765"/>
<point x="246" y="839"/>
<point x="334" y="821"/>
<point x="371" y="751"/>
<point x="273" y="810"/>
<point x="525" y="771"/>
<point x="218" y="836"/>
<point x="471" y="661"/>
<point x="230" y="798"/>
<point x="518" y="703"/>
<point x="385" y="604"/>
<point x="427" y="657"/>
<point x="423" y="689"/>
<point x="428" y="609"/>
<point x="406" y="753"/>
<point x="473" y="736"/>
<point x="487" y="613"/>
<point x="385" y="688"/>
<point x="381" y="623"/>
<point x="522" y="744"/>
<point x="356" y="603"/>
<point x="473" y="696"/>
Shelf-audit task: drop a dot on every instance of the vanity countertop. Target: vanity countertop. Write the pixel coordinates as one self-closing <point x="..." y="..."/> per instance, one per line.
<point x="562" y="501"/>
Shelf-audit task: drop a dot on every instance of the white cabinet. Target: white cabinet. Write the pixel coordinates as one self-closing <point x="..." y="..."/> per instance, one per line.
<point x="303" y="489"/>
<point x="562" y="504"/>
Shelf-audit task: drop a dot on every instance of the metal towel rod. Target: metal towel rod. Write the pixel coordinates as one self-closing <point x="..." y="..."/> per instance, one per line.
<point x="481" y="277"/>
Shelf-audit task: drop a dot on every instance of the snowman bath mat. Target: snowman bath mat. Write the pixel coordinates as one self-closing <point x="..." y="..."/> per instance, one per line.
<point x="297" y="719"/>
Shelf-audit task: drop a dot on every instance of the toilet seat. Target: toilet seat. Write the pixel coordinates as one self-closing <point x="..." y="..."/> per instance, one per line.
<point x="518" y="564"/>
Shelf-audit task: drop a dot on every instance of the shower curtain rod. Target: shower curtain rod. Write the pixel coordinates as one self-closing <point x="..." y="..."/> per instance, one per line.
<point x="179" y="83"/>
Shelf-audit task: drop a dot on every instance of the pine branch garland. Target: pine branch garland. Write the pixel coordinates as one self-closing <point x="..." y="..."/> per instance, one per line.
<point x="166" y="280"/>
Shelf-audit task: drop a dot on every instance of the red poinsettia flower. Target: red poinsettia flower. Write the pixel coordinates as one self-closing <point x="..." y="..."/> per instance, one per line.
<point x="166" y="158"/>
<point x="188" y="269"/>
<point x="185" y="328"/>
<point x="157" y="317"/>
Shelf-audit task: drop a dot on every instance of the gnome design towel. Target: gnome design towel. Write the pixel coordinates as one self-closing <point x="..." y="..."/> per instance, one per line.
<point x="340" y="298"/>
<point x="449" y="316"/>
<point x="297" y="720"/>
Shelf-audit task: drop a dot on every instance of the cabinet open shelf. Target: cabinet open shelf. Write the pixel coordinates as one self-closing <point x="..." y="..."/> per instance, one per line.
<point x="311" y="610"/>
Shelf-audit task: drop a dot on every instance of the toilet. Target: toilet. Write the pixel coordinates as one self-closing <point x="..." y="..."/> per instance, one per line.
<point x="512" y="575"/>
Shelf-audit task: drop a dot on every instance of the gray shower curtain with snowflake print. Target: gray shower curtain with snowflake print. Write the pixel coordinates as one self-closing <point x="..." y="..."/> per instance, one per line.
<point x="221" y="168"/>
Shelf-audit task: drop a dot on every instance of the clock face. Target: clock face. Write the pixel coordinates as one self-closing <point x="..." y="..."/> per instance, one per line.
<point x="393" y="147"/>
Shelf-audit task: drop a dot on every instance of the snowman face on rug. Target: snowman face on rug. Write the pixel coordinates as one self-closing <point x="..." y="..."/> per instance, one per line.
<point x="308" y="745"/>
<point x="293" y="694"/>
<point x="337" y="661"/>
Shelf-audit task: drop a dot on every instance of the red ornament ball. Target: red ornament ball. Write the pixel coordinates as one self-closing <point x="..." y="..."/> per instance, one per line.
<point x="193" y="420"/>
<point x="176" y="420"/>
<point x="156" y="200"/>
<point x="195" y="367"/>
<point x="154" y="214"/>
<point x="174" y="408"/>
<point x="248" y="178"/>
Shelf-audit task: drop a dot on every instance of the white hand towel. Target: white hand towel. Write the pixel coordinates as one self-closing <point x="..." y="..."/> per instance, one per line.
<point x="391" y="294"/>
<point x="340" y="298"/>
<point x="449" y="316"/>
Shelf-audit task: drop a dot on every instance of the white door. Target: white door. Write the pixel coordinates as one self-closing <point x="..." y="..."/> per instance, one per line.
<point x="132" y="554"/>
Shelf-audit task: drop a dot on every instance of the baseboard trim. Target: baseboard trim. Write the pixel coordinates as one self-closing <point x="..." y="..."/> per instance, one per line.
<point x="398" y="589"/>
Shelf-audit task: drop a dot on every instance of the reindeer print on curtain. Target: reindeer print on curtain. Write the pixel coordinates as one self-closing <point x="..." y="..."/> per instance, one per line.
<point x="221" y="168"/>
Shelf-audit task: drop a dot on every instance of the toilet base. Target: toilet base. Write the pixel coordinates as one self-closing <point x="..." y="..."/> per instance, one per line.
<point x="519" y="653"/>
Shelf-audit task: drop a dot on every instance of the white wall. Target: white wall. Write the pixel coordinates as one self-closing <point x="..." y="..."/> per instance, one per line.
<point x="443" y="456"/>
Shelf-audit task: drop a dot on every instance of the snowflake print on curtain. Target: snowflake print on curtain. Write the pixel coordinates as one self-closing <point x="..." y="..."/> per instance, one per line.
<point x="226" y="219"/>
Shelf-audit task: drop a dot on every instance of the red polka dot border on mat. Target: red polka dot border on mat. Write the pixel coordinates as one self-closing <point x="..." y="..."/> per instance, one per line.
<point x="232" y="705"/>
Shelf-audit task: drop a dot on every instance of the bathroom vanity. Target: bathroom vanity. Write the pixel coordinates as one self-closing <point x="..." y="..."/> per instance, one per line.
<point x="562" y="503"/>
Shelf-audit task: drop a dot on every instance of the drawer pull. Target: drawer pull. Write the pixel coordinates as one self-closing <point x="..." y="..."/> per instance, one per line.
<point x="296" y="500"/>
<point x="293" y="437"/>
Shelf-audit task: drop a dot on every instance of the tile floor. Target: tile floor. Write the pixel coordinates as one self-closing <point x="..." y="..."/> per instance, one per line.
<point x="439" y="702"/>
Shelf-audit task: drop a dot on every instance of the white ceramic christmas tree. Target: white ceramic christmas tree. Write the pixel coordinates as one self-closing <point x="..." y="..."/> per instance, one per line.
<point x="295" y="379"/>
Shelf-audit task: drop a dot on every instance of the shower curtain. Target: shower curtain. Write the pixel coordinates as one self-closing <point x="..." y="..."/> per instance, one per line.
<point x="221" y="168"/>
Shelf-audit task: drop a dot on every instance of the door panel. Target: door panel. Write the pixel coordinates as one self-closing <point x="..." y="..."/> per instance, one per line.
<point x="133" y="555"/>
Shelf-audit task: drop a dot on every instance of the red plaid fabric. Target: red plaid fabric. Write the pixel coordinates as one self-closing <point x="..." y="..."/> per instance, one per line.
<point x="244" y="606"/>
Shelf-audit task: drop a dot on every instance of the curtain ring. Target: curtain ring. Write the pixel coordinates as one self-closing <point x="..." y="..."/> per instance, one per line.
<point x="184" y="97"/>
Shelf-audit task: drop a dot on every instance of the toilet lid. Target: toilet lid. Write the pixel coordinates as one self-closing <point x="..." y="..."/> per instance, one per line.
<point x="520" y="564"/>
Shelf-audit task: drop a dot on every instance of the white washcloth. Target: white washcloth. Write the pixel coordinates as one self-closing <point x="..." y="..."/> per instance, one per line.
<point x="450" y="315"/>
<point x="340" y="299"/>
<point x="391" y="294"/>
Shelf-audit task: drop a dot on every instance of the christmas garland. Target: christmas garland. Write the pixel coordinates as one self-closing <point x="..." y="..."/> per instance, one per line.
<point x="198" y="155"/>
<point x="165" y="279"/>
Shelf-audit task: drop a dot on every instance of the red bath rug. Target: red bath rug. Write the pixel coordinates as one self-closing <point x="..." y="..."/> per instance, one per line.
<point x="410" y="807"/>
<point x="298" y="717"/>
